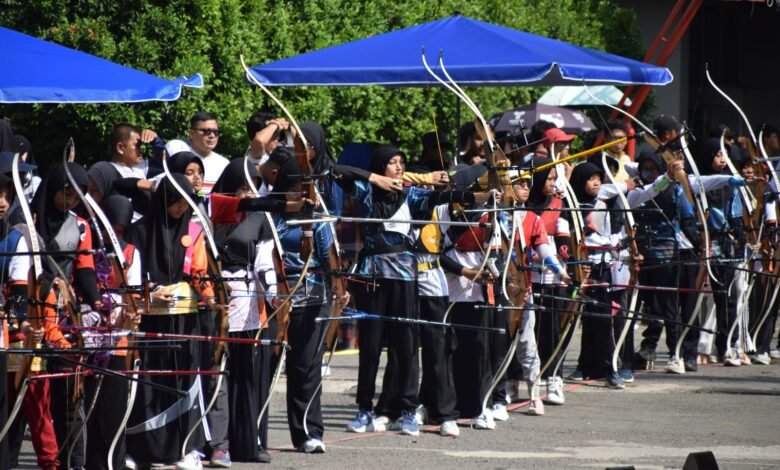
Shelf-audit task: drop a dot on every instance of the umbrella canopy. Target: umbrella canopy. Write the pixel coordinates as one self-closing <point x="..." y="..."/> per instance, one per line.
<point x="38" y="71"/>
<point x="571" y="121"/>
<point x="577" y="96"/>
<point x="475" y="53"/>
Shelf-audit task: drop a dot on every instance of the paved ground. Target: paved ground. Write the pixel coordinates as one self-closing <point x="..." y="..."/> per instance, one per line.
<point x="654" y="423"/>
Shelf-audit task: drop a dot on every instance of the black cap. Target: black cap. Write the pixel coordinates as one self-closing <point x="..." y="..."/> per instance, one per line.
<point x="429" y="141"/>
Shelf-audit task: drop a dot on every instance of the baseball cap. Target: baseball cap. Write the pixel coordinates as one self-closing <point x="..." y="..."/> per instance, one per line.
<point x="557" y="135"/>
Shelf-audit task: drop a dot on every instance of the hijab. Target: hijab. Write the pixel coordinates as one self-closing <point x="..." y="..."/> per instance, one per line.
<point x="234" y="176"/>
<point x="315" y="135"/>
<point x="385" y="203"/>
<point x="103" y="175"/>
<point x="118" y="209"/>
<point x="179" y="162"/>
<point x="710" y="148"/>
<point x="7" y="143"/>
<point x="537" y="200"/>
<point x="159" y="237"/>
<point x="23" y="145"/>
<point x="50" y="219"/>
<point x="580" y="176"/>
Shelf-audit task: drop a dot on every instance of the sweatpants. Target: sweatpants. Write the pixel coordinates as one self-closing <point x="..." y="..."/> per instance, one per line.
<point x="437" y="388"/>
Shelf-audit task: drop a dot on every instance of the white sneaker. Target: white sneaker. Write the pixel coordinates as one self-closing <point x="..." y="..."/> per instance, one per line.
<point x="498" y="411"/>
<point x="449" y="429"/>
<point x="130" y="463"/>
<point x="325" y="370"/>
<point x="190" y="461"/>
<point x="536" y="408"/>
<point x="379" y="424"/>
<point x="484" y="421"/>
<point x="774" y="354"/>
<point x="421" y="415"/>
<point x="675" y="366"/>
<point x="555" y="391"/>
<point x="512" y="390"/>
<point x="313" y="446"/>
<point x="762" y="359"/>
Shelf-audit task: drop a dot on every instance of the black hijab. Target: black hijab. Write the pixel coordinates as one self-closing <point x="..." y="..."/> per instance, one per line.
<point x="234" y="176"/>
<point x="537" y="200"/>
<point x="103" y="175"/>
<point x="581" y="174"/>
<point x="315" y="134"/>
<point x="23" y="145"/>
<point x="7" y="143"/>
<point x="159" y="237"/>
<point x="49" y="218"/>
<point x="710" y="147"/>
<point x="385" y="203"/>
<point x="179" y="162"/>
<point x="118" y="209"/>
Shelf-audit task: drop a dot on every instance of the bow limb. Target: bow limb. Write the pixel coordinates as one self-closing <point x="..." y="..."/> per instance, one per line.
<point x="220" y="380"/>
<point x="15" y="409"/>
<point x="128" y="411"/>
<point x="630" y="229"/>
<point x="653" y="141"/>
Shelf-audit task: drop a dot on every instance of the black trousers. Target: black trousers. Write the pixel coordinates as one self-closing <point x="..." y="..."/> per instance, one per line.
<point x="4" y="405"/>
<point x="499" y="346"/>
<point x="68" y="417"/>
<point x="106" y="417"/>
<point x="248" y="382"/>
<point x="472" y="371"/>
<point x="304" y="373"/>
<point x="761" y="291"/>
<point x="392" y="298"/>
<point x="598" y="339"/>
<point x="626" y="354"/>
<point x="548" y="328"/>
<point x="662" y="305"/>
<point x="437" y="389"/>
<point x="725" y="307"/>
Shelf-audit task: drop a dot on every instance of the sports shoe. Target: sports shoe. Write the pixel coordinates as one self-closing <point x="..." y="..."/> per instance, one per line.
<point x="314" y="445"/>
<point x="449" y="429"/>
<point x="263" y="456"/>
<point x="690" y="365"/>
<point x="498" y="411"/>
<point x="512" y="390"/>
<point x="220" y="459"/>
<point x="774" y="354"/>
<point x="363" y="422"/>
<point x="576" y="376"/>
<point x="421" y="415"/>
<point x="554" y="392"/>
<point x="409" y="424"/>
<point x="744" y="359"/>
<point x="762" y="359"/>
<point x="535" y="408"/>
<point x="190" y="461"/>
<point x="615" y="382"/>
<point x="627" y="375"/>
<point x="675" y="366"/>
<point x="731" y="361"/>
<point x="130" y="463"/>
<point x="646" y="353"/>
<point x="484" y="421"/>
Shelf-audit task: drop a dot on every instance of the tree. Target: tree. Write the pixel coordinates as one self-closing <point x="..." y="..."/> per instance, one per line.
<point x="174" y="38"/>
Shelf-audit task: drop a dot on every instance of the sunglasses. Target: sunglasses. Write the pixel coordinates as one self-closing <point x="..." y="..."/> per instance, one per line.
<point x="214" y="132"/>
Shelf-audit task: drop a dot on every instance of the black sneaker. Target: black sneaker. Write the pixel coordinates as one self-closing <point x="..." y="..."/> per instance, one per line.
<point x="690" y="365"/>
<point x="615" y="382"/>
<point x="263" y="456"/>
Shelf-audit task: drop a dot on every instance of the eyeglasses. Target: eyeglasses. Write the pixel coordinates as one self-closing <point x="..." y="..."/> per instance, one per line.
<point x="214" y="132"/>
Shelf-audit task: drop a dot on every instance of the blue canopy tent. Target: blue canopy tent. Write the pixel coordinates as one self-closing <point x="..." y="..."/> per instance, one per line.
<point x="38" y="71"/>
<point x="475" y="53"/>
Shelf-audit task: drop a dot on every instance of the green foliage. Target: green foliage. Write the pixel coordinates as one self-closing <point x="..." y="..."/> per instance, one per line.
<point x="174" y="38"/>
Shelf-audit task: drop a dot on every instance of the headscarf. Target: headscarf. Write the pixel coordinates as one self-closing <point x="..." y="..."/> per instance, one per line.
<point x="49" y="218"/>
<point x="179" y="162"/>
<point x="23" y="145"/>
<point x="103" y="175"/>
<point x="118" y="209"/>
<point x="315" y="134"/>
<point x="234" y="176"/>
<point x="653" y="157"/>
<point x="5" y="182"/>
<point x="7" y="143"/>
<point x="581" y="174"/>
<point x="159" y="237"/>
<point x="385" y="203"/>
<point x="537" y="200"/>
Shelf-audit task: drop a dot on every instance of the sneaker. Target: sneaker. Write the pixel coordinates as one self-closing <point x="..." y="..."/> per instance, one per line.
<point x="690" y="365"/>
<point x="774" y="354"/>
<point x="554" y="392"/>
<point x="263" y="456"/>
<point x="220" y="459"/>
<point x="512" y="390"/>
<point x="421" y="415"/>
<point x="449" y="429"/>
<point x="361" y="423"/>
<point x="314" y="445"/>
<point x="380" y="424"/>
<point x="576" y="376"/>
<point x="675" y="366"/>
<point x="484" y="421"/>
<point x="535" y="408"/>
<point x="409" y="424"/>
<point x="762" y="359"/>
<point x="130" y="463"/>
<point x="615" y="382"/>
<point x="731" y="361"/>
<point x="744" y="359"/>
<point x="498" y="411"/>
<point x="190" y="461"/>
<point x="647" y="353"/>
<point x="627" y="375"/>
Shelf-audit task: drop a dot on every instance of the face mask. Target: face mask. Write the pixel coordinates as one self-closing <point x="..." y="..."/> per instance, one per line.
<point x="646" y="176"/>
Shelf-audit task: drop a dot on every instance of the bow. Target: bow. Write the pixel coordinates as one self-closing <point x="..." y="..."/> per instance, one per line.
<point x="29" y="363"/>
